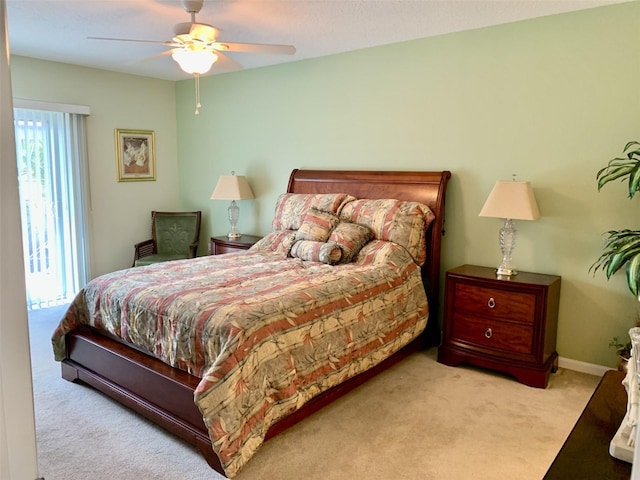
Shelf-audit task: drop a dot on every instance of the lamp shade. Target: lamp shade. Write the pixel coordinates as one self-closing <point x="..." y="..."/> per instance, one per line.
<point x="194" y="60"/>
<point x="511" y="200"/>
<point x="232" y="187"/>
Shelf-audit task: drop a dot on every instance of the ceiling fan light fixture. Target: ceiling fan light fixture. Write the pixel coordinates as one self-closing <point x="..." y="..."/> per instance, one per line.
<point x="183" y="39"/>
<point x="194" y="46"/>
<point x="194" y="61"/>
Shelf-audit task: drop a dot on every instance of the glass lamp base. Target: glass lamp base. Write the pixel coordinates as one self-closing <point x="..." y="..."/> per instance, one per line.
<point x="234" y="215"/>
<point x="507" y="244"/>
<point x="505" y="271"/>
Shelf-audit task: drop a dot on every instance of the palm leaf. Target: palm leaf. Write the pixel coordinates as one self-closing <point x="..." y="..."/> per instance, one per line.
<point x="633" y="272"/>
<point x="620" y="168"/>
<point x="622" y="247"/>
<point x="634" y="180"/>
<point x="631" y="144"/>
<point x="619" y="247"/>
<point x="616" y="168"/>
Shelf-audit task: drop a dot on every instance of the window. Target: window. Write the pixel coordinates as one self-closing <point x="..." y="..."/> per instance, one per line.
<point x="53" y="184"/>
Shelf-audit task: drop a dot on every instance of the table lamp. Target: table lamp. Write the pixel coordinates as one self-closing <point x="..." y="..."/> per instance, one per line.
<point x="232" y="187"/>
<point x="511" y="200"/>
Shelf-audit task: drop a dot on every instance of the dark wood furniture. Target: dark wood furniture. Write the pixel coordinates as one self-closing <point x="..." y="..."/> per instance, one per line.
<point x="507" y="324"/>
<point x="165" y="395"/>
<point x="585" y="453"/>
<point x="221" y="245"/>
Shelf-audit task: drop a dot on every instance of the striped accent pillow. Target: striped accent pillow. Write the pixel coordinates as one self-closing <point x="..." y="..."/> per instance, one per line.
<point x="404" y="223"/>
<point x="279" y="243"/>
<point x="350" y="237"/>
<point x="292" y="207"/>
<point x="317" y="225"/>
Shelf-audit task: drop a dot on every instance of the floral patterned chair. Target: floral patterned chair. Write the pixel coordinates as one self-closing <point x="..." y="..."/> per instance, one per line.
<point x="174" y="236"/>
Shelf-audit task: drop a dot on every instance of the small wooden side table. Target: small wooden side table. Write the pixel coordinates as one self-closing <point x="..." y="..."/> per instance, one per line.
<point x="506" y="324"/>
<point x="585" y="453"/>
<point x="221" y="245"/>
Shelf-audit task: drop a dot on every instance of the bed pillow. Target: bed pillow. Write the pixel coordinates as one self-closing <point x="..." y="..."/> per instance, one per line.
<point x="292" y="207"/>
<point x="325" y="252"/>
<point x="397" y="221"/>
<point x="317" y="225"/>
<point x="380" y="252"/>
<point x="350" y="237"/>
<point x="279" y="243"/>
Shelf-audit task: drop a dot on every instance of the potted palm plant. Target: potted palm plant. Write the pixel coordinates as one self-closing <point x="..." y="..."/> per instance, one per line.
<point x="622" y="247"/>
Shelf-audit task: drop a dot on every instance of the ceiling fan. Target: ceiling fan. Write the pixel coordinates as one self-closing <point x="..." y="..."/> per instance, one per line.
<point x="195" y="46"/>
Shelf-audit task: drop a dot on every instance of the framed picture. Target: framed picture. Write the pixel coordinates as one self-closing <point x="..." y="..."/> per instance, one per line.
<point x="136" y="155"/>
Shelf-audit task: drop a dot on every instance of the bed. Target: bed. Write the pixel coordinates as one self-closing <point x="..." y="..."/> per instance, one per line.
<point x="341" y="314"/>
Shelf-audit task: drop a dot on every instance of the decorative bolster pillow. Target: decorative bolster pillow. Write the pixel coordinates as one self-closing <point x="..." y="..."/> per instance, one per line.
<point x="328" y="253"/>
<point x="350" y="237"/>
<point x="317" y="225"/>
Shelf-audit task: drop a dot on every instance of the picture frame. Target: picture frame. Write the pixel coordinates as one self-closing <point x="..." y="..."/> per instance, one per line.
<point x="136" y="155"/>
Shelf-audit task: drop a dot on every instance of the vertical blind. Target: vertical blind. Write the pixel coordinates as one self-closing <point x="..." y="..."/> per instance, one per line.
<point x="53" y="184"/>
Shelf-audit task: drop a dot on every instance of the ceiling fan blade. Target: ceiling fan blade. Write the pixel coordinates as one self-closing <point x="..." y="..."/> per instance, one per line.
<point x="254" y="48"/>
<point x="226" y="64"/>
<point x="164" y="53"/>
<point x="127" y="40"/>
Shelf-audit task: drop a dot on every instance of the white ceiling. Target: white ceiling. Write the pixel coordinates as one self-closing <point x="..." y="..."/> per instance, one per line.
<point x="57" y="29"/>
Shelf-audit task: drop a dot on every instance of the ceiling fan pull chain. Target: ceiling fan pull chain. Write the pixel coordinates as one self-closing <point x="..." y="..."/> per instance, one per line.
<point x="197" y="77"/>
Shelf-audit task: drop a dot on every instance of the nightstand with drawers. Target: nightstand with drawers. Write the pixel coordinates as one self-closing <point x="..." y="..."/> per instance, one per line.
<point x="220" y="245"/>
<point x="507" y="324"/>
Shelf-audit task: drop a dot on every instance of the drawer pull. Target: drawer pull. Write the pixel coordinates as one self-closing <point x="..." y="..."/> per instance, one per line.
<point x="488" y="333"/>
<point x="491" y="303"/>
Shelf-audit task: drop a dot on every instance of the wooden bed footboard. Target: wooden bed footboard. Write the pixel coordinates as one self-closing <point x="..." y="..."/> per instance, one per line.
<point x="164" y="394"/>
<point x="143" y="383"/>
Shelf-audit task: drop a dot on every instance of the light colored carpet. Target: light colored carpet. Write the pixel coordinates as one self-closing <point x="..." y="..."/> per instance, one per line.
<point x="418" y="420"/>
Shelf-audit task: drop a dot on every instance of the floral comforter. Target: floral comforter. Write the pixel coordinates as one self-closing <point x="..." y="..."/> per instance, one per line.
<point x="265" y="333"/>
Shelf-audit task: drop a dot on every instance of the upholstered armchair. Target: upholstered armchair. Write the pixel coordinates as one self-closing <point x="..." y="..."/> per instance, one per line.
<point x="174" y="236"/>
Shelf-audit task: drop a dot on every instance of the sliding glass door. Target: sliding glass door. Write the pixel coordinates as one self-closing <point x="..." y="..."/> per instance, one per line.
<point x="52" y="171"/>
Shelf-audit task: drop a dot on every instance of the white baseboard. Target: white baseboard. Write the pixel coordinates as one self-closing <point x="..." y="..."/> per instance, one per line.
<point x="584" y="367"/>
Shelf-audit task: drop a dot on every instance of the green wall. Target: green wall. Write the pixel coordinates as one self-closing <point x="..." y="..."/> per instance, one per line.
<point x="550" y="99"/>
<point x="119" y="211"/>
